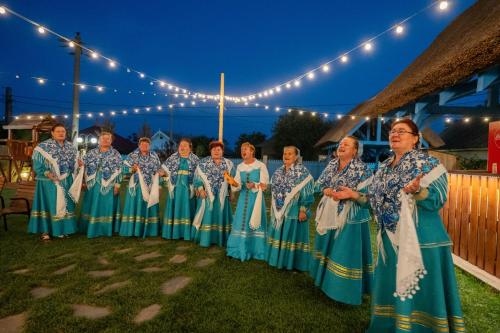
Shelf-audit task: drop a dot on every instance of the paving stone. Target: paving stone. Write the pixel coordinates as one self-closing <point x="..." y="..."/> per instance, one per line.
<point x="147" y="313"/>
<point x="152" y="269"/>
<point x="152" y="242"/>
<point x="64" y="269"/>
<point x="182" y="248"/>
<point x="147" y="256"/>
<point x="112" y="286"/>
<point x="89" y="311"/>
<point x="204" y="262"/>
<point x="178" y="259"/>
<point x="175" y="284"/>
<point x="128" y="249"/>
<point x="97" y="274"/>
<point x="214" y="250"/>
<point x="21" y="271"/>
<point x="13" y="324"/>
<point x="41" y="292"/>
<point x="67" y="255"/>
<point x="103" y="261"/>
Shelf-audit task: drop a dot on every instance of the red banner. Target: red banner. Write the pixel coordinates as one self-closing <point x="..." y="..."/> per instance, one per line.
<point x="494" y="147"/>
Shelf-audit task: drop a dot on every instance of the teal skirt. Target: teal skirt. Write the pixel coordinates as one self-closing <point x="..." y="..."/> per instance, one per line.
<point x="137" y="219"/>
<point x="100" y="214"/>
<point x="215" y="226"/>
<point x="43" y="211"/>
<point x="178" y="215"/>
<point x="342" y="267"/>
<point x="434" y="308"/>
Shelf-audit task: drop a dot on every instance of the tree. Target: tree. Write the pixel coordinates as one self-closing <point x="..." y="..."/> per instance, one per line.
<point x="145" y="131"/>
<point x="300" y="130"/>
<point x="106" y="125"/>
<point x="200" y="145"/>
<point x="254" y="138"/>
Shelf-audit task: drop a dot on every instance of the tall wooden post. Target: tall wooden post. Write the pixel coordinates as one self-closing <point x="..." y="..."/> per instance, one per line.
<point x="76" y="89"/>
<point x="221" y="107"/>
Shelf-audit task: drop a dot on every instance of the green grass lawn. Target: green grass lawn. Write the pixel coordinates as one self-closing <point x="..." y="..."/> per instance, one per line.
<point x="227" y="296"/>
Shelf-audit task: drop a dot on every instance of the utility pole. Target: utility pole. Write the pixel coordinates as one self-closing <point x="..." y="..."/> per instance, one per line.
<point x="76" y="89"/>
<point x="221" y="107"/>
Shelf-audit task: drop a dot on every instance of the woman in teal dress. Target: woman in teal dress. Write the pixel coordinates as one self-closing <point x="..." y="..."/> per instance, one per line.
<point x="58" y="186"/>
<point x="140" y="215"/>
<point x="292" y="188"/>
<point x="341" y="263"/>
<point x="415" y="288"/>
<point x="212" y="222"/>
<point x="179" y="211"/>
<point x="100" y="212"/>
<point x="248" y="233"/>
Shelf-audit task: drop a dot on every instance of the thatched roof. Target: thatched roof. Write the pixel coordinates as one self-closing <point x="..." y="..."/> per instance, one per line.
<point x="469" y="45"/>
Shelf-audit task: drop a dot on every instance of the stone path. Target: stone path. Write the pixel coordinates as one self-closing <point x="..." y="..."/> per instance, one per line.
<point x="182" y="248"/>
<point x="103" y="261"/>
<point x="147" y="256"/>
<point x="175" y="284"/>
<point x="147" y="313"/>
<point x="152" y="269"/>
<point x="13" y="324"/>
<point x="214" y="250"/>
<point x="41" y="292"/>
<point x="152" y="242"/>
<point x="204" y="262"/>
<point x="178" y="259"/>
<point x="112" y="286"/>
<point x="89" y="311"/>
<point x="21" y="271"/>
<point x="123" y="250"/>
<point x="97" y="274"/>
<point x="64" y="269"/>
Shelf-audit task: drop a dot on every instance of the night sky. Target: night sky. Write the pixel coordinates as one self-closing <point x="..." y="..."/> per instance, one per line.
<point x="257" y="44"/>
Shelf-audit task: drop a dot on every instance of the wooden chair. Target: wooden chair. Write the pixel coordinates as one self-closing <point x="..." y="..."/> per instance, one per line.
<point x="20" y="203"/>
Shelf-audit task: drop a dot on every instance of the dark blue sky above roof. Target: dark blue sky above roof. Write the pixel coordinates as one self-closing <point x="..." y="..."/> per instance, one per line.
<point x="257" y="44"/>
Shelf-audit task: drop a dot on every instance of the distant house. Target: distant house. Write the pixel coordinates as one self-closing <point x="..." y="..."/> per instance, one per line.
<point x="161" y="141"/>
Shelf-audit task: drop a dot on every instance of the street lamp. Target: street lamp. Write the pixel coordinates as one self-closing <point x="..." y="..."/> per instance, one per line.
<point x="86" y="139"/>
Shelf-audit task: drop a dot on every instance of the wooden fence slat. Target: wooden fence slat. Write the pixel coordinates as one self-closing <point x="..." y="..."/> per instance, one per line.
<point x="491" y="226"/>
<point x="446" y="208"/>
<point x="452" y="206"/>
<point x="474" y="219"/>
<point x="481" y="229"/>
<point x="457" y="217"/>
<point x="464" y="216"/>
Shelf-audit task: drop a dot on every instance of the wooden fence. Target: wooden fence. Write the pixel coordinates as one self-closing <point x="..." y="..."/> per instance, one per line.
<point x="471" y="218"/>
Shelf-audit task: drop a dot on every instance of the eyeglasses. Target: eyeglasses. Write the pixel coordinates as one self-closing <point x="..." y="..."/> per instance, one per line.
<point x="400" y="132"/>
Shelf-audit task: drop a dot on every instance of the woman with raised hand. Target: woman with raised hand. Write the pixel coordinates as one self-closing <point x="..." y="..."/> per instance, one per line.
<point x="140" y="216"/>
<point x="341" y="263"/>
<point x="248" y="233"/>
<point x="292" y="188"/>
<point x="100" y="212"/>
<point x="212" y="222"/>
<point x="178" y="170"/>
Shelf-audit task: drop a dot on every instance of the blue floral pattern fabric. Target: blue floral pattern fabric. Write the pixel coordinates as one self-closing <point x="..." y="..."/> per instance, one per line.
<point x="65" y="154"/>
<point x="354" y="173"/>
<point x="107" y="162"/>
<point x="214" y="172"/>
<point x="283" y="182"/>
<point x="388" y="182"/>
<point x="172" y="165"/>
<point x="149" y="164"/>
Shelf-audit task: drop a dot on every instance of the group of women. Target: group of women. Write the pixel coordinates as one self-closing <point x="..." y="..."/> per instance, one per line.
<point x="413" y="285"/>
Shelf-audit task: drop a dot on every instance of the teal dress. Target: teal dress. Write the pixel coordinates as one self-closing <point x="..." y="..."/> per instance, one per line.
<point x="287" y="237"/>
<point x="430" y="302"/>
<point x="248" y="233"/>
<point x="100" y="213"/>
<point x="341" y="263"/>
<point x="140" y="217"/>
<point x="181" y="204"/>
<point x="53" y="210"/>
<point x="212" y="222"/>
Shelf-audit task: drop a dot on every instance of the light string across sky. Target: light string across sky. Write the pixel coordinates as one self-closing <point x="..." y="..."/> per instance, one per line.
<point x="325" y="68"/>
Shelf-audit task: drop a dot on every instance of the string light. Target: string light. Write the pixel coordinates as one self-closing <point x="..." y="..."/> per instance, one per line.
<point x="2" y="10"/>
<point x="71" y="44"/>
<point x="41" y="30"/>
<point x="325" y="68"/>
<point x="296" y="83"/>
<point x="310" y="76"/>
<point x="344" y="59"/>
<point x="399" y="29"/>
<point x="112" y="64"/>
<point x="94" y="55"/>
<point x="368" y="46"/>
<point x="486" y="119"/>
<point x="41" y="81"/>
<point x="466" y="120"/>
<point x="448" y="120"/>
<point x="443" y="5"/>
<point x="82" y="87"/>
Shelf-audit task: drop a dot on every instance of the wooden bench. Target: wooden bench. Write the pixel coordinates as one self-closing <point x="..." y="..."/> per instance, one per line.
<point x="21" y="201"/>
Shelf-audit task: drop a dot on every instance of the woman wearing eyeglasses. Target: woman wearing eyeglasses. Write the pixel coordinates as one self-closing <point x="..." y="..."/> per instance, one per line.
<point x="415" y="288"/>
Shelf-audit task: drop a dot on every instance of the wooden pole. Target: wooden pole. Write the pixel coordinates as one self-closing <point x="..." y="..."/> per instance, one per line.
<point x="221" y="107"/>
<point x="76" y="90"/>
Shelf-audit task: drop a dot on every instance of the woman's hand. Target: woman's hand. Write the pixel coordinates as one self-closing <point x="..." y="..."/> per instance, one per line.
<point x="345" y="193"/>
<point x="414" y="185"/>
<point x="328" y="191"/>
<point x="302" y="216"/>
<point x="162" y="173"/>
<point x="51" y="176"/>
<point x="135" y="167"/>
<point x="263" y="186"/>
<point x="80" y="163"/>
<point x="202" y="194"/>
<point x="116" y="190"/>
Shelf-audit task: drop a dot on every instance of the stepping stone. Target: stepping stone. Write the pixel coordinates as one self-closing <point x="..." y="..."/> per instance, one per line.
<point x="41" y="292"/>
<point x="21" y="271"/>
<point x="103" y="261"/>
<point x="178" y="259"/>
<point x="152" y="242"/>
<point x="67" y="255"/>
<point x="175" y="284"/>
<point x="149" y="255"/>
<point x="151" y="269"/>
<point x="214" y="250"/>
<point x="97" y="274"/>
<point x="90" y="312"/>
<point x="13" y="324"/>
<point x="204" y="262"/>
<point x="147" y="313"/>
<point x="64" y="269"/>
<point x="113" y="286"/>
<point x="182" y="248"/>
<point x="123" y="250"/>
